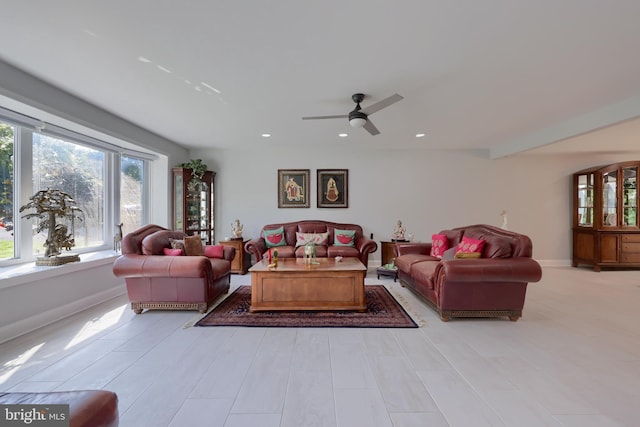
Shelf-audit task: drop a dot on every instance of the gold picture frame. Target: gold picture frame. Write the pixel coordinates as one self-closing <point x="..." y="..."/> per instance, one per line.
<point x="333" y="188"/>
<point x="293" y="188"/>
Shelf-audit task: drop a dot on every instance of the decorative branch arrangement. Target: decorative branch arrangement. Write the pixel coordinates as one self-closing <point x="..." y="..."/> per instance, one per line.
<point x="50" y="205"/>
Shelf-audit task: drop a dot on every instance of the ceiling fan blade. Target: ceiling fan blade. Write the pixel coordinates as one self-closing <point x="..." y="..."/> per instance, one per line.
<point x="382" y="104"/>
<point x="341" y="116"/>
<point x="371" y="128"/>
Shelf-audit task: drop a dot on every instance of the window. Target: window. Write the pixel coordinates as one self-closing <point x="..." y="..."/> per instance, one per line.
<point x="107" y="186"/>
<point x="7" y="245"/>
<point x="133" y="212"/>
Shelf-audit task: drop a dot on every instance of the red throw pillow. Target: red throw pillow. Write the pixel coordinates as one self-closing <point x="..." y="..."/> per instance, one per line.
<point x="173" y="252"/>
<point x="468" y="245"/>
<point x="439" y="244"/>
<point x="214" y="251"/>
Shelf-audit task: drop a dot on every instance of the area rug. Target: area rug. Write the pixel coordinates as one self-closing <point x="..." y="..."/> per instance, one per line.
<point x="383" y="311"/>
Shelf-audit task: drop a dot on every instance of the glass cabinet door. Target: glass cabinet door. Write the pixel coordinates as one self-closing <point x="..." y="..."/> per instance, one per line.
<point x="629" y="197"/>
<point x="585" y="200"/>
<point x="609" y="199"/>
<point x="178" y="202"/>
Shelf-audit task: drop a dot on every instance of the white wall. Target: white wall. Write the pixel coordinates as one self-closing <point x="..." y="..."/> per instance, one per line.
<point x="428" y="190"/>
<point x="37" y="299"/>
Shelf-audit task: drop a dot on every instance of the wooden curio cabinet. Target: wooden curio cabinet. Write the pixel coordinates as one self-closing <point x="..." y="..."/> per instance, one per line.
<point x="193" y="204"/>
<point x="605" y="216"/>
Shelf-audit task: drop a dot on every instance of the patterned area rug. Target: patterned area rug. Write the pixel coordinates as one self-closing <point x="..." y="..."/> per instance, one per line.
<point x="383" y="311"/>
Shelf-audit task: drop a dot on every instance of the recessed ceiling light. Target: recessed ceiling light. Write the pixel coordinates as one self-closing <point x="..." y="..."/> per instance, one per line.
<point x="420" y="135"/>
<point x="161" y="68"/>
<point x="343" y="135"/>
<point x="143" y="59"/>
<point x="211" y="87"/>
<point x="266" y="135"/>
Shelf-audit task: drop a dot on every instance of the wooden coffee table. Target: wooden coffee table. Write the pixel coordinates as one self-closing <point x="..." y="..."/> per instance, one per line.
<point x="294" y="285"/>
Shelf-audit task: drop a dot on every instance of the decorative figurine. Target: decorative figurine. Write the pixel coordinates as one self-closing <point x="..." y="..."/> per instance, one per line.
<point x="504" y="226"/>
<point x="117" y="238"/>
<point x="236" y="229"/>
<point x="398" y="232"/>
<point x="49" y="205"/>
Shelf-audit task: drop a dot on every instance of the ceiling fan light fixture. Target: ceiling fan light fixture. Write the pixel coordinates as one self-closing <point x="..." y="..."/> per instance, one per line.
<point x="357" y="119"/>
<point x="357" y="122"/>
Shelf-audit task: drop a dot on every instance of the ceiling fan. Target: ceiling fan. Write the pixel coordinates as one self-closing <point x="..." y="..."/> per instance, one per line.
<point x="359" y="117"/>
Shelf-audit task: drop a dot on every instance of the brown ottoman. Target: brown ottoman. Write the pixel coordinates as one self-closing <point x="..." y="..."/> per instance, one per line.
<point x="87" y="408"/>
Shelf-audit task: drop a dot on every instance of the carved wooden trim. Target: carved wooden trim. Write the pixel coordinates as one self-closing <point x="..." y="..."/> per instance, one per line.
<point x="137" y="307"/>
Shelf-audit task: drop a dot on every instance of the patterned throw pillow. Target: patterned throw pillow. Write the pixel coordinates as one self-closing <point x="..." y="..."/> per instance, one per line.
<point x="214" y="251"/>
<point x="193" y="246"/>
<point x="439" y="244"/>
<point x="320" y="239"/>
<point x="173" y="252"/>
<point x="177" y="244"/>
<point x="467" y="255"/>
<point x="274" y="238"/>
<point x="344" y="237"/>
<point x="468" y="245"/>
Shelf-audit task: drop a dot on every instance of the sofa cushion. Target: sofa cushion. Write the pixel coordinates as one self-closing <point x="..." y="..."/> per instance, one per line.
<point x="317" y="238"/>
<point x="214" y="251"/>
<point x="406" y="262"/>
<point x="468" y="245"/>
<point x="321" y="251"/>
<point x="343" y="251"/>
<point x="439" y="244"/>
<point x="495" y="246"/>
<point x="193" y="246"/>
<point x="274" y="238"/>
<point x="283" y="251"/>
<point x="173" y="252"/>
<point x="423" y="272"/>
<point x="344" y="237"/>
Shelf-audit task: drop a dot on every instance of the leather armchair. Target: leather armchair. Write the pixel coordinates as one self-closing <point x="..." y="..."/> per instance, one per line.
<point x="156" y="281"/>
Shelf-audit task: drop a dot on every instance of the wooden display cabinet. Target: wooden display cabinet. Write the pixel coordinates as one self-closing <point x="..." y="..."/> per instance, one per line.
<point x="193" y="204"/>
<point x="605" y="216"/>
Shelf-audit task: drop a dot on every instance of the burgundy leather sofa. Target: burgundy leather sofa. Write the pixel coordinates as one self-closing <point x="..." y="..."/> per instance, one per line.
<point x="156" y="281"/>
<point x="87" y="408"/>
<point x="363" y="246"/>
<point x="491" y="286"/>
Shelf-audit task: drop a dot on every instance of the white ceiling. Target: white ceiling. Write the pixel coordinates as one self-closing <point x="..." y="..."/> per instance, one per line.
<point x="502" y="75"/>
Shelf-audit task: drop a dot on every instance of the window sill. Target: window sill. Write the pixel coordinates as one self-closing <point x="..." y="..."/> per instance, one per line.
<point x="29" y="272"/>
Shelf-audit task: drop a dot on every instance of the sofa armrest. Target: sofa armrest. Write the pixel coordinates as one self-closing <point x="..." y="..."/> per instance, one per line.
<point x="134" y="265"/>
<point x="365" y="245"/>
<point x="229" y="253"/>
<point x="412" y="248"/>
<point x="256" y="247"/>
<point x="517" y="269"/>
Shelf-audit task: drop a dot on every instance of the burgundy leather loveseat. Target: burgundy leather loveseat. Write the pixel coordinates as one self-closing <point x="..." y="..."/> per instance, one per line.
<point x="157" y="281"/>
<point x="490" y="286"/>
<point x="360" y="246"/>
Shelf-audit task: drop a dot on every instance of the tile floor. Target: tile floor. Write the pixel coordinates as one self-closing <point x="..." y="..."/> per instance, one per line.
<point x="573" y="360"/>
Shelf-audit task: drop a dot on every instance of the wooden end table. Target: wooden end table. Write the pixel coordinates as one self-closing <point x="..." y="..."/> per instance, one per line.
<point x="242" y="260"/>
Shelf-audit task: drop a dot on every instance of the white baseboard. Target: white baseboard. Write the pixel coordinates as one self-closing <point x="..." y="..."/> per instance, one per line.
<point x="14" y="330"/>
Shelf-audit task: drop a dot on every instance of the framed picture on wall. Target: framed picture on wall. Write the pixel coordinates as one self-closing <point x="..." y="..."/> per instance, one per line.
<point x="333" y="188"/>
<point x="293" y="188"/>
